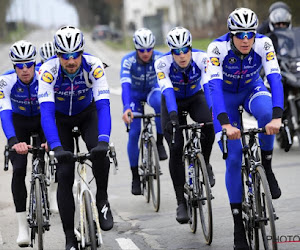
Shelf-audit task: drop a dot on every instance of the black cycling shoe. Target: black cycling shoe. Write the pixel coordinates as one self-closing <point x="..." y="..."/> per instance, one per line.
<point x="211" y="175"/>
<point x="162" y="152"/>
<point x="136" y="187"/>
<point x="105" y="217"/>
<point x="181" y="214"/>
<point x="240" y="241"/>
<point x="273" y="184"/>
<point x="71" y="243"/>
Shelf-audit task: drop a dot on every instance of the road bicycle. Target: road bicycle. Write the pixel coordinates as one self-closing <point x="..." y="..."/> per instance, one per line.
<point x="39" y="210"/>
<point x="149" y="168"/>
<point x="197" y="189"/>
<point x="88" y="231"/>
<point x="258" y="212"/>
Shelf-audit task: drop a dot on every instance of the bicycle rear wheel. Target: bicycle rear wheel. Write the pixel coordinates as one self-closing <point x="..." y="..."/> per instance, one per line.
<point x="89" y="227"/>
<point x="265" y="210"/>
<point x="39" y="213"/>
<point x="143" y="171"/>
<point x="154" y="173"/>
<point x="204" y="197"/>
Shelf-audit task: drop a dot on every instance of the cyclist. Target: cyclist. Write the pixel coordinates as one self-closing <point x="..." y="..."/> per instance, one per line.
<point x="182" y="78"/>
<point x="279" y="17"/>
<point x="139" y="84"/>
<point x="73" y="91"/>
<point x="20" y="117"/>
<point x="235" y="62"/>
<point x="46" y="51"/>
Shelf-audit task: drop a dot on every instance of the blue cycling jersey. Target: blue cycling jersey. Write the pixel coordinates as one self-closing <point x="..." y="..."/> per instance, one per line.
<point x="17" y="97"/>
<point x="233" y="73"/>
<point x="177" y="83"/>
<point x="58" y="92"/>
<point x="137" y="78"/>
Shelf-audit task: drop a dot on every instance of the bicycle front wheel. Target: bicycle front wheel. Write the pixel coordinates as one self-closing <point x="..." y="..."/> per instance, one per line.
<point x="39" y="213"/>
<point x="154" y="173"/>
<point x="89" y="227"/>
<point x="265" y="210"/>
<point x="204" y="197"/>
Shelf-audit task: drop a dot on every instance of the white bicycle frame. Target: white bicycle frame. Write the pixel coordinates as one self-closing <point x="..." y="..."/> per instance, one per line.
<point x="81" y="186"/>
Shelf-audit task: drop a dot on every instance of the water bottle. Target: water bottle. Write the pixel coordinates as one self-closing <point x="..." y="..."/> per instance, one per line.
<point x="191" y="174"/>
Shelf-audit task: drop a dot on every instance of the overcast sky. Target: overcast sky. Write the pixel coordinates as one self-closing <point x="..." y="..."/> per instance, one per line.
<point x="46" y="13"/>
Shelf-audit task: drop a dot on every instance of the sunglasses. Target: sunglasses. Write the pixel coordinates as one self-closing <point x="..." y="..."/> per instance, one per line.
<point x="242" y="35"/>
<point x="144" y="50"/>
<point x="183" y="50"/>
<point x="67" y="56"/>
<point x="22" y="65"/>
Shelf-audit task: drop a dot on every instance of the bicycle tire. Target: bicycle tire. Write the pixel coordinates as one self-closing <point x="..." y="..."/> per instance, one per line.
<point x="154" y="173"/>
<point x="143" y="170"/>
<point x="265" y="210"/>
<point x="204" y="197"/>
<point x="39" y="213"/>
<point x="189" y="197"/>
<point x="248" y="211"/>
<point x="90" y="232"/>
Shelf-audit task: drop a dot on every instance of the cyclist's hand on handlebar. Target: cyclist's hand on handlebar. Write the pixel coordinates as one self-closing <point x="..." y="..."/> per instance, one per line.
<point x="63" y="156"/>
<point x="21" y="148"/>
<point x="273" y="126"/>
<point x="100" y="150"/>
<point x="172" y="123"/>
<point x="127" y="118"/>
<point x="233" y="133"/>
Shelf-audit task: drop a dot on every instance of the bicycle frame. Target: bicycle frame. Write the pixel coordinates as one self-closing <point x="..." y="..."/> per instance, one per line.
<point x="82" y="187"/>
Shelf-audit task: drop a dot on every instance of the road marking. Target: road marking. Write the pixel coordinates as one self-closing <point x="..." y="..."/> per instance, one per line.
<point x="126" y="244"/>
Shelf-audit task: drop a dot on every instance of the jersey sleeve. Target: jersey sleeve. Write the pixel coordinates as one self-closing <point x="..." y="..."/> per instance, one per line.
<point x="266" y="50"/>
<point x="162" y="69"/>
<point x="125" y="78"/>
<point x="215" y="75"/>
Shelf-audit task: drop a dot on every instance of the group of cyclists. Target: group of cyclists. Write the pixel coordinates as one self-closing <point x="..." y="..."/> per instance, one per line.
<point x="69" y="88"/>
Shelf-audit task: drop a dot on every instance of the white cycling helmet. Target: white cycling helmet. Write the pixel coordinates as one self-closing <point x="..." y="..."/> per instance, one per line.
<point x="242" y="19"/>
<point x="46" y="51"/>
<point x="178" y="38"/>
<point x="68" y="39"/>
<point x="22" y="51"/>
<point x="143" y="39"/>
<point x="280" y="15"/>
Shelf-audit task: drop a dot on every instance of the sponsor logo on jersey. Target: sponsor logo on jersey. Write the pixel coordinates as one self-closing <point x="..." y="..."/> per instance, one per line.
<point x="228" y="82"/>
<point x="267" y="46"/>
<point x="98" y="73"/>
<point x="1" y="95"/>
<point x="60" y="98"/>
<point x="81" y="98"/>
<point x="43" y="95"/>
<point x="215" y="75"/>
<point x="103" y="91"/>
<point x="160" y="75"/>
<point x="270" y="56"/>
<point x="176" y="89"/>
<point x="20" y="90"/>
<point x="22" y="108"/>
<point x="161" y="65"/>
<point x="275" y="70"/>
<point x="216" y="51"/>
<point x="232" y="60"/>
<point x="2" y="83"/>
<point x="249" y="80"/>
<point x="215" y="61"/>
<point x="47" y="77"/>
<point x="193" y="86"/>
